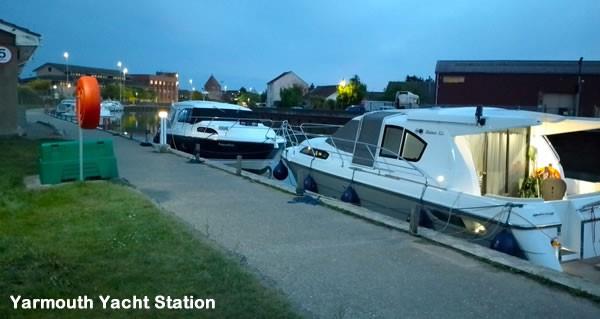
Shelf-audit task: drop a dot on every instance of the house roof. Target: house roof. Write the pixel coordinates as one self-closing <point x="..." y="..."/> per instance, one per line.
<point x="79" y="69"/>
<point x="323" y="91"/>
<point x="280" y="76"/>
<point x="16" y="27"/>
<point x="212" y="84"/>
<point x="518" y="67"/>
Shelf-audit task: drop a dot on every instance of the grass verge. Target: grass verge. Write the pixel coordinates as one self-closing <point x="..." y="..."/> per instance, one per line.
<point x="105" y="239"/>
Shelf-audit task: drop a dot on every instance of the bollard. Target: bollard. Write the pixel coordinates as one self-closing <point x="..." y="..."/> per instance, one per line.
<point x="300" y="183"/>
<point x="238" y="165"/>
<point x="415" y="216"/>
<point x="197" y="153"/>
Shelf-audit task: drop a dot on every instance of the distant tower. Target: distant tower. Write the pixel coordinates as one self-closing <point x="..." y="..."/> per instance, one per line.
<point x="213" y="88"/>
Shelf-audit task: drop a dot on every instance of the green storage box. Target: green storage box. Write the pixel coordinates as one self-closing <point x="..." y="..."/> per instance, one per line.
<point x="59" y="161"/>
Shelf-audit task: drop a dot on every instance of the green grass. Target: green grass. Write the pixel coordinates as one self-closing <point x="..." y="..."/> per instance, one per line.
<point x="100" y="238"/>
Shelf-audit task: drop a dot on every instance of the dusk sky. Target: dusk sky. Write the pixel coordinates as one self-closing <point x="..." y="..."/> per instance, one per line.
<point x="247" y="43"/>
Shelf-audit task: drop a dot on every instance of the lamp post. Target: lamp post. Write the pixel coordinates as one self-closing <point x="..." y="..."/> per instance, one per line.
<point x="163" y="127"/>
<point x="191" y="88"/>
<point x="120" y="66"/>
<point x="66" y="56"/>
<point x="124" y="77"/>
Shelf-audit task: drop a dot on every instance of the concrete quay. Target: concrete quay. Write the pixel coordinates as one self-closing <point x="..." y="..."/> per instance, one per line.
<point x="330" y="264"/>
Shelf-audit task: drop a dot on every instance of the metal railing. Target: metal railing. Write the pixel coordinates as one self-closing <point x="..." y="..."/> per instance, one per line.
<point x="267" y="123"/>
<point x="382" y="166"/>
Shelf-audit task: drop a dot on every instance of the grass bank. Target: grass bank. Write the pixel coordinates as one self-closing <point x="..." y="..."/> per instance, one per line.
<point x="100" y="238"/>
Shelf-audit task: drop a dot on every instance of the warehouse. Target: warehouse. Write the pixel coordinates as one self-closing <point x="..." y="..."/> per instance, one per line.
<point x="560" y="87"/>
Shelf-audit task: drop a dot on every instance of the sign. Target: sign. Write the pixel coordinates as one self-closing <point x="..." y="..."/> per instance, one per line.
<point x="5" y="55"/>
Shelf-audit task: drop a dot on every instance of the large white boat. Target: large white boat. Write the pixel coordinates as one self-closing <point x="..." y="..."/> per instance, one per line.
<point x="487" y="174"/>
<point x="221" y="131"/>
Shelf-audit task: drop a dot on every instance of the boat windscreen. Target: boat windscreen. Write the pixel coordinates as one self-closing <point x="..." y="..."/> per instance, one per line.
<point x="345" y="136"/>
<point x="202" y="114"/>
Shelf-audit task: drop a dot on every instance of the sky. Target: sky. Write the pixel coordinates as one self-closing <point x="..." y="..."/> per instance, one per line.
<point x="248" y="43"/>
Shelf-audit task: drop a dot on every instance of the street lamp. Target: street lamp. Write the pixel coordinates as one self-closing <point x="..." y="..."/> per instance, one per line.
<point x="66" y="56"/>
<point x="192" y="88"/>
<point x="124" y="77"/>
<point x="120" y="65"/>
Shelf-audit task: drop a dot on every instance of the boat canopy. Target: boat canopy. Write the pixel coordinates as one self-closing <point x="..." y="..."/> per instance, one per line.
<point x="556" y="124"/>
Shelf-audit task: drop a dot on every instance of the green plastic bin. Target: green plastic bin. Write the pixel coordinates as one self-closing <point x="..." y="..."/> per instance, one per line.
<point x="59" y="161"/>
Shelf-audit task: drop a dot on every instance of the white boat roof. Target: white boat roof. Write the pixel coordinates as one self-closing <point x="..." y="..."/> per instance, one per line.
<point x="210" y="105"/>
<point x="461" y="120"/>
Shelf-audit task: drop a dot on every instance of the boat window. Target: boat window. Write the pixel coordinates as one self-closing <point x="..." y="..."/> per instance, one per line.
<point x="314" y="152"/>
<point x="208" y="130"/>
<point x="345" y="136"/>
<point x="183" y="115"/>
<point x="413" y="147"/>
<point x="392" y="139"/>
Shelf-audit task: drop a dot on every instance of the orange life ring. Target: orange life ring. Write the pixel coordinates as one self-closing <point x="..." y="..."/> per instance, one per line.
<point x="88" y="102"/>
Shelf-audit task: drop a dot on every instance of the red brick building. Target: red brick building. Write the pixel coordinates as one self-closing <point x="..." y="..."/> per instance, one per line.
<point x="164" y="84"/>
<point x="548" y="86"/>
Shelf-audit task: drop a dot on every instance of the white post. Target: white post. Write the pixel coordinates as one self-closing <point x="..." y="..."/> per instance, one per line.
<point x="80" y="154"/>
<point x="163" y="131"/>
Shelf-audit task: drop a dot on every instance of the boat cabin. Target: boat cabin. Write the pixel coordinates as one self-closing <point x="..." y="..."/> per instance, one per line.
<point x="481" y="151"/>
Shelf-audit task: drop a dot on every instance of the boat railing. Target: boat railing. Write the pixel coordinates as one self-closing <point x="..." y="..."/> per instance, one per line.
<point x="382" y="165"/>
<point x="247" y="123"/>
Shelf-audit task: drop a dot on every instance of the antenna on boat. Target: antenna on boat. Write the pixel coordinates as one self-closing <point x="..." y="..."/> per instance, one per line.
<point x="480" y="120"/>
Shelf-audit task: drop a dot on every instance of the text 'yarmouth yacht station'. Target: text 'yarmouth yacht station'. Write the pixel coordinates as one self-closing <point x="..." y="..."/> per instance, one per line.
<point x="110" y="303"/>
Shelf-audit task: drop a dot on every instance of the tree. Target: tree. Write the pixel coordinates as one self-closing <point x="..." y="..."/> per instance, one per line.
<point x="351" y="93"/>
<point x="40" y="86"/>
<point x="291" y="96"/>
<point x="110" y="91"/>
<point x="424" y="88"/>
<point x="196" y="95"/>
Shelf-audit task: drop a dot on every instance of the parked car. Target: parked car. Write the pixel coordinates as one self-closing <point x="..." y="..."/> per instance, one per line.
<point x="356" y="109"/>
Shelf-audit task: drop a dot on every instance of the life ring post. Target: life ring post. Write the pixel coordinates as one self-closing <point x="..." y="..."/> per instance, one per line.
<point x="88" y="110"/>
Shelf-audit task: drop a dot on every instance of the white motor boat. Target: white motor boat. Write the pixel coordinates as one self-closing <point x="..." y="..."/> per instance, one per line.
<point x="66" y="107"/>
<point x="112" y="106"/>
<point x="221" y="131"/>
<point x="487" y="174"/>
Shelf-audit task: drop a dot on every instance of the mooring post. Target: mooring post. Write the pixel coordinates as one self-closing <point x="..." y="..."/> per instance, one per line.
<point x="197" y="153"/>
<point x="238" y="165"/>
<point x="300" y="184"/>
<point x="415" y="216"/>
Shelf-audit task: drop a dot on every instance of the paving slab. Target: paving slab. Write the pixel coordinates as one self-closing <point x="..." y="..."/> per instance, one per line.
<point x="330" y="264"/>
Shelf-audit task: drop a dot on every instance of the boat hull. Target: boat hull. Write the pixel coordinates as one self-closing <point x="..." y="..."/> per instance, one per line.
<point x="435" y="216"/>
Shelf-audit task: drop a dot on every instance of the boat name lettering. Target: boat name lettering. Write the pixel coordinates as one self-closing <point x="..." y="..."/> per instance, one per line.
<point x="434" y="132"/>
<point x="223" y="128"/>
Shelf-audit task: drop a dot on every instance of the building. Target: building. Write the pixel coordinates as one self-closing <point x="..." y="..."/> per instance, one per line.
<point x="284" y="80"/>
<point x="321" y="97"/>
<point x="165" y="85"/>
<point x="58" y="73"/>
<point x="17" y="45"/>
<point x="213" y="89"/>
<point x="564" y="87"/>
<point x="326" y="92"/>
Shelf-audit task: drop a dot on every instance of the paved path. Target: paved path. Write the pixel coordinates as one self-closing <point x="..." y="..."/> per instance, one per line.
<point x="331" y="265"/>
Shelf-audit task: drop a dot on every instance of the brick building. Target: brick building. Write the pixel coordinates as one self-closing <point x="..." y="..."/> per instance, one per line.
<point x="164" y="84"/>
<point x="548" y="86"/>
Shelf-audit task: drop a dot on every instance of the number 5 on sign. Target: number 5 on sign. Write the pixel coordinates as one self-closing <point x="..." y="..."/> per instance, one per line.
<point x="5" y="55"/>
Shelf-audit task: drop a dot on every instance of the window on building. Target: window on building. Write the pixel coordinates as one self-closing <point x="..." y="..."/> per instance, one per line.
<point x="392" y="139"/>
<point x="453" y="79"/>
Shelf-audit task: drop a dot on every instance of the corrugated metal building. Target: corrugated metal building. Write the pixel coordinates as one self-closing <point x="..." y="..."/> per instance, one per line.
<point x="550" y="86"/>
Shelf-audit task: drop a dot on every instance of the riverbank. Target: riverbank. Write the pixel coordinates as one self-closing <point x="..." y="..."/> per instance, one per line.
<point x="104" y="238"/>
